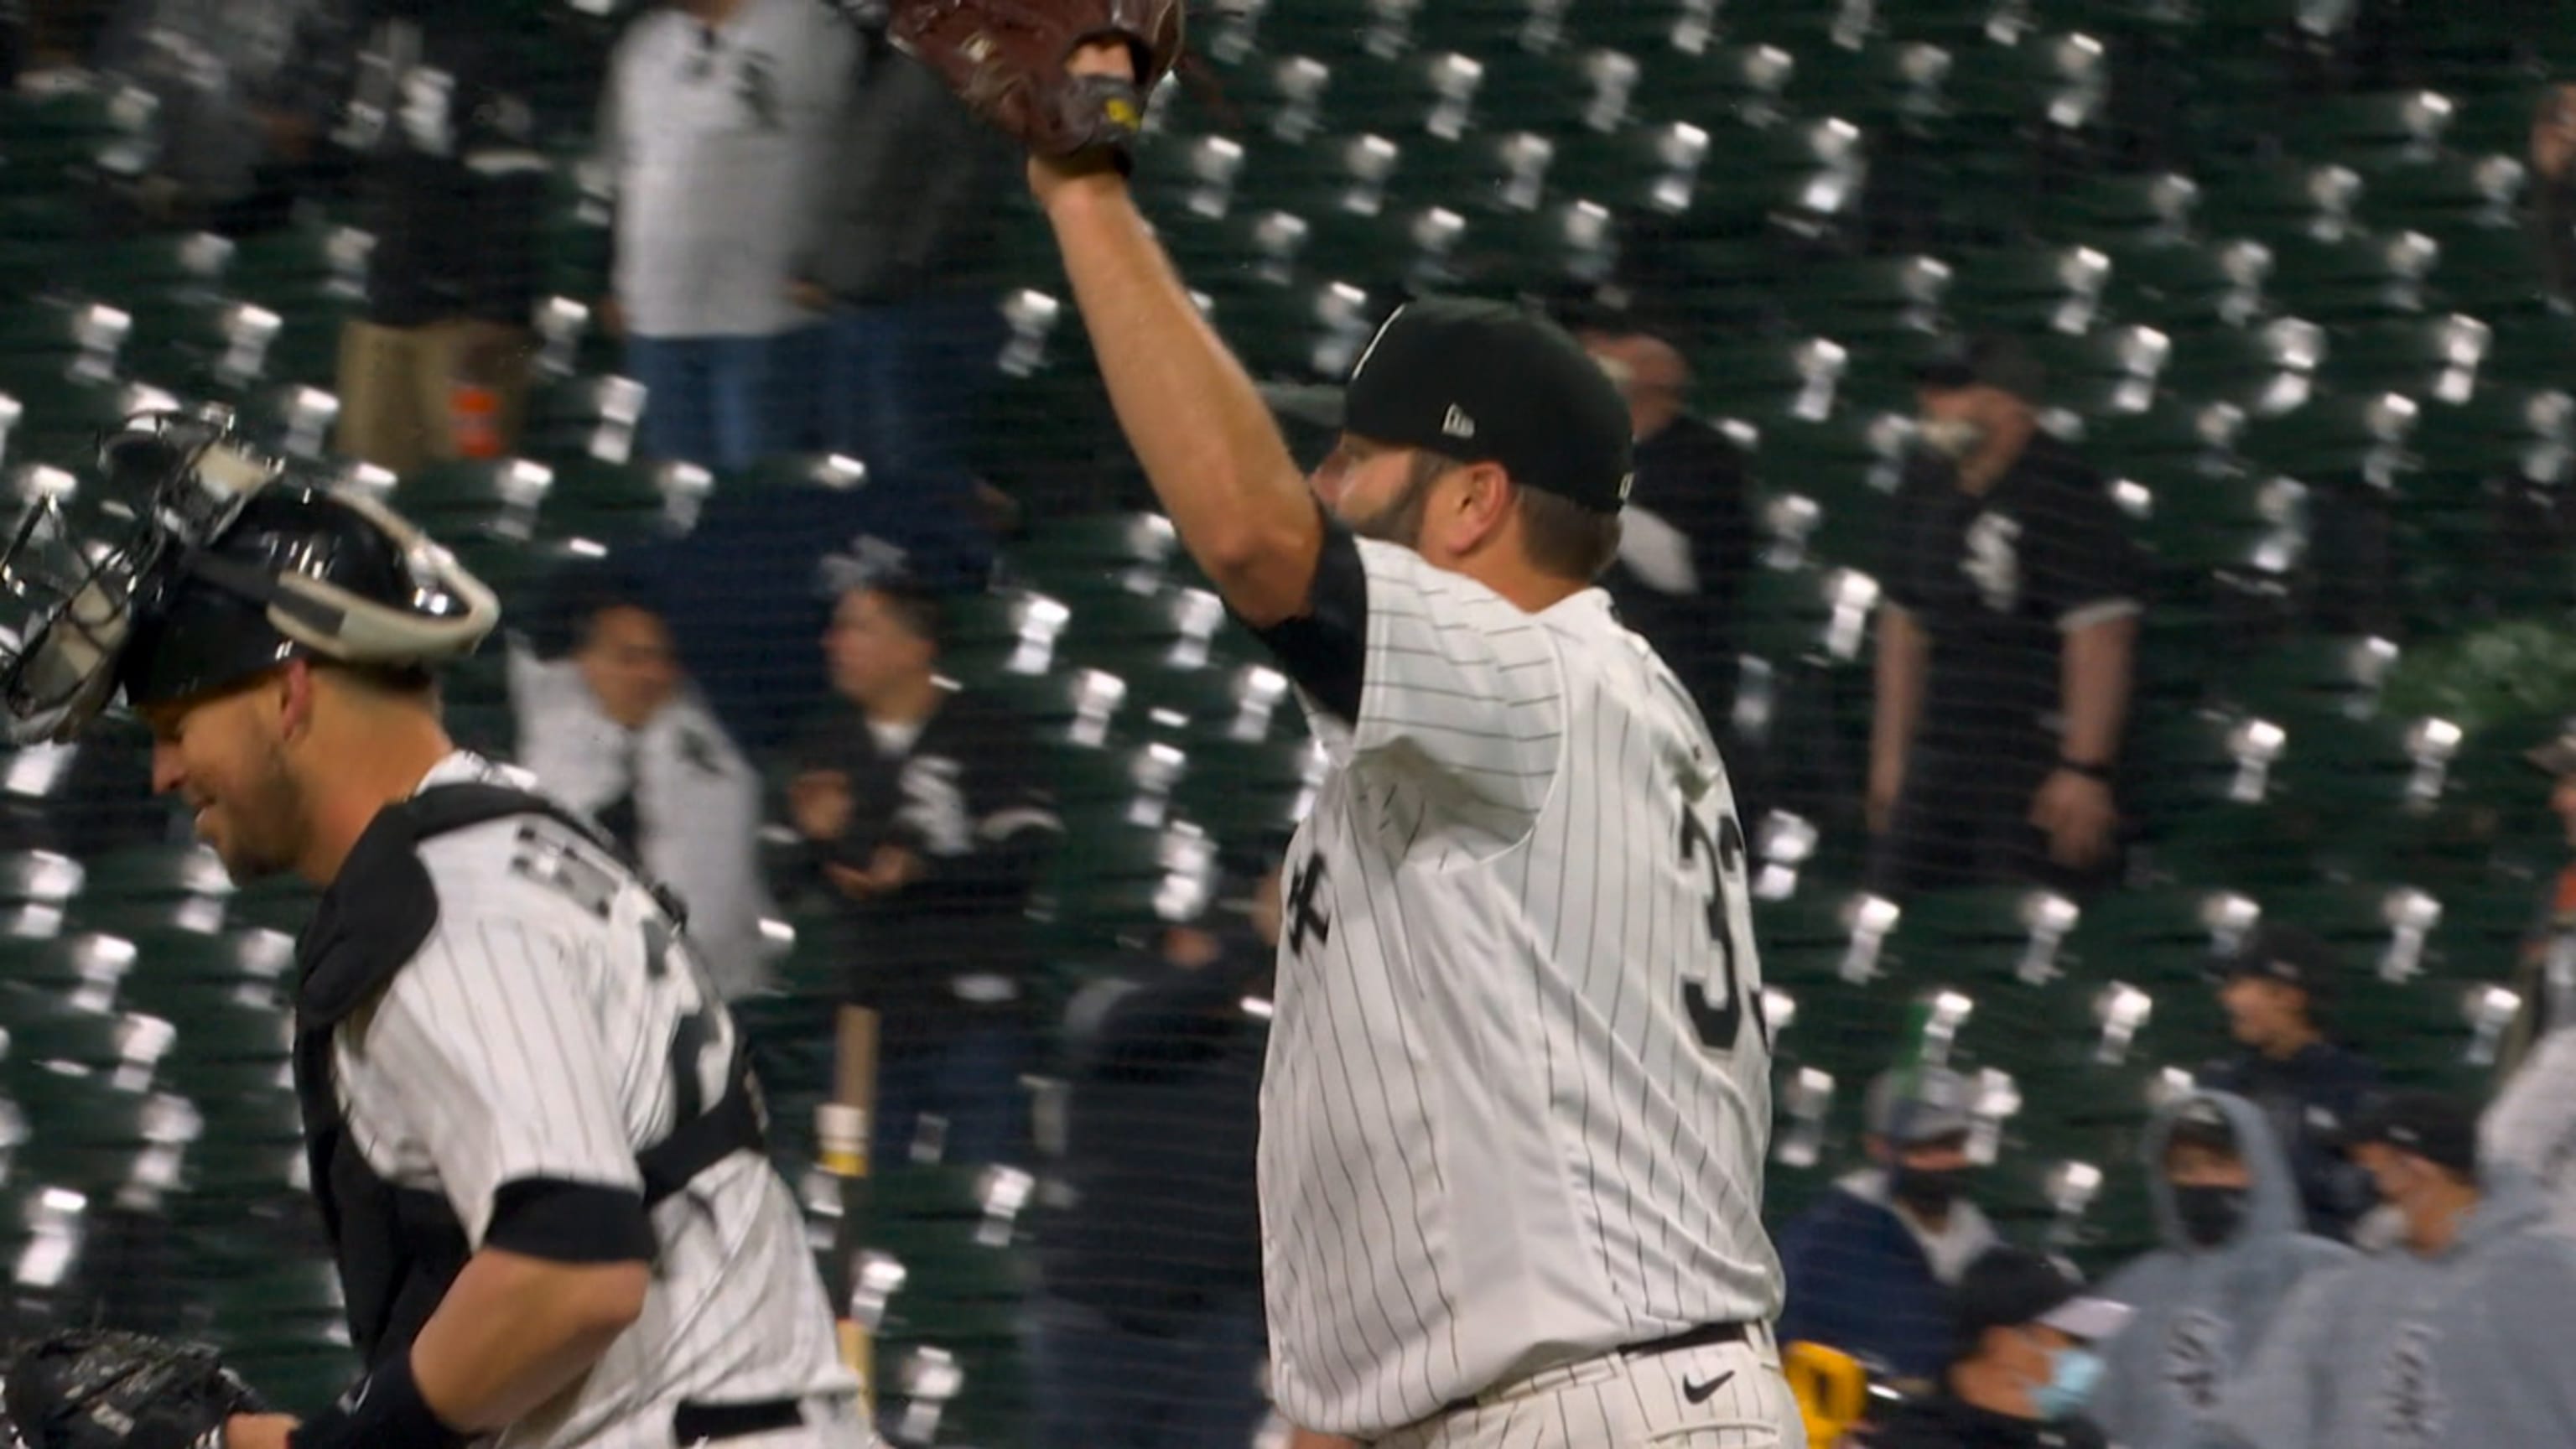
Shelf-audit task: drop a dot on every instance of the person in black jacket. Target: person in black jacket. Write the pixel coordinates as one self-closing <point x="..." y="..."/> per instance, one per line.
<point x="1150" y="1327"/>
<point x="2276" y="987"/>
<point x="906" y="266"/>
<point x="449" y="182"/>
<point x="1686" y="537"/>
<point x="925" y="820"/>
<point x="2022" y="1362"/>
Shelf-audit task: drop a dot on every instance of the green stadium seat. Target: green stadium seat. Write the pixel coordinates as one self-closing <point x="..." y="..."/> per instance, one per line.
<point x="2054" y="288"/>
<point x="2446" y="190"/>
<point x="2276" y="202"/>
<point x="2434" y="360"/>
<point x="1239" y="791"/>
<point x="1244" y="702"/>
<point x="2335" y="437"/>
<point x="2358" y="276"/>
<point x="583" y="417"/>
<point x="2119" y="211"/>
<point x="1871" y="297"/>
<point x="2107" y="370"/>
<point x="2259" y="370"/>
<point x="2184" y="284"/>
<point x="2371" y="131"/>
<point x="1881" y="83"/>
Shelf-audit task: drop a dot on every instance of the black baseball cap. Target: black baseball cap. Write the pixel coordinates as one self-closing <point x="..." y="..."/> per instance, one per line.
<point x="1484" y="381"/>
<point x="2285" y="954"/>
<point x="2008" y="1287"/>
<point x="2441" y="1129"/>
<point x="1997" y="362"/>
<point x="2201" y="1122"/>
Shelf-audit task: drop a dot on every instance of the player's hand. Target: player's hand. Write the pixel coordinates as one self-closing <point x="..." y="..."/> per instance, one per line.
<point x="258" y="1431"/>
<point x="2076" y="813"/>
<point x="610" y="316"/>
<point x="810" y="296"/>
<point x="818" y="802"/>
<point x="1048" y="178"/>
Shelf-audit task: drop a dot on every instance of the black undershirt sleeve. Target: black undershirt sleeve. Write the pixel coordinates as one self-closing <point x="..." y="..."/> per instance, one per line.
<point x="1324" y="648"/>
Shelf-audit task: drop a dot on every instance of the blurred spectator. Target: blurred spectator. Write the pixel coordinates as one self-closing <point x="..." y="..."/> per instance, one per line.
<point x="2004" y="648"/>
<point x="451" y="184"/>
<point x="716" y="129"/>
<point x="2277" y="986"/>
<point x="1870" y="1266"/>
<point x="2021" y="1363"/>
<point x="245" y="88"/>
<point x="927" y="822"/>
<point x="1150" y="1331"/>
<point x="1686" y="536"/>
<point x="763" y="570"/>
<point x="2532" y="1122"/>
<point x="2234" y="1249"/>
<point x="2553" y="190"/>
<point x="615" y="729"/>
<point x="2456" y="1339"/>
<point x="906" y="266"/>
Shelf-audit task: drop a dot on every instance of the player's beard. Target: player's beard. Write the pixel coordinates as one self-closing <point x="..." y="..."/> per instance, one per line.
<point x="1400" y="521"/>
<point x="260" y="821"/>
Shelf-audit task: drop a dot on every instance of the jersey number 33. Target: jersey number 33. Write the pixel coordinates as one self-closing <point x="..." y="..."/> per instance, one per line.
<point x="1717" y="1000"/>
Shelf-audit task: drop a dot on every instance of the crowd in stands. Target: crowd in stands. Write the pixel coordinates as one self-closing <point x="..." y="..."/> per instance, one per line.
<point x="804" y="236"/>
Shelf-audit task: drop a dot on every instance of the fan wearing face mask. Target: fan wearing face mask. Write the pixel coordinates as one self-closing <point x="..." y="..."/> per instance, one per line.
<point x="2024" y="1360"/>
<point x="2455" y="1337"/>
<point x="2227" y="1207"/>
<point x="1871" y="1265"/>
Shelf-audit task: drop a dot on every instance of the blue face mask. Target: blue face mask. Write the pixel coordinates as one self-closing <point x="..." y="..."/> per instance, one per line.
<point x="2072" y="1374"/>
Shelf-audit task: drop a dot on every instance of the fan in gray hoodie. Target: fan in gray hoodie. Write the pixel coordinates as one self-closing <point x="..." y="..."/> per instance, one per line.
<point x="2227" y="1207"/>
<point x="2458" y="1338"/>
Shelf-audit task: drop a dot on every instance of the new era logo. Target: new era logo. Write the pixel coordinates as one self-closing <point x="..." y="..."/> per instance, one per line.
<point x="1457" y="424"/>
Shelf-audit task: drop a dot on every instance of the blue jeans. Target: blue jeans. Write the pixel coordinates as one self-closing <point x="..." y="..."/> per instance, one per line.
<point x="1103" y="1385"/>
<point x="970" y="1082"/>
<point x="901" y="380"/>
<point x="712" y="401"/>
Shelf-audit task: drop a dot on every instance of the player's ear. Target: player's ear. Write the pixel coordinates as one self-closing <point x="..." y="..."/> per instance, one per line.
<point x="1483" y="504"/>
<point x="293" y="688"/>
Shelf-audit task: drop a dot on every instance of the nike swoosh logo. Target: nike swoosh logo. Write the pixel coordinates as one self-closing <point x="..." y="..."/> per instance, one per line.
<point x="1699" y="1393"/>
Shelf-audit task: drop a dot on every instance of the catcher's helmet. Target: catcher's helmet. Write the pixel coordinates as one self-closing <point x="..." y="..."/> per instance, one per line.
<point x="198" y="565"/>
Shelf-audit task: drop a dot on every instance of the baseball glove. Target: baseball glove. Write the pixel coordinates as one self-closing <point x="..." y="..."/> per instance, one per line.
<point x="1007" y="58"/>
<point x="92" y="1390"/>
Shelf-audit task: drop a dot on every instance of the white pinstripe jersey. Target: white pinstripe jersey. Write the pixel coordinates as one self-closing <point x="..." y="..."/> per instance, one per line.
<point x="530" y="1037"/>
<point x="1518" y="1090"/>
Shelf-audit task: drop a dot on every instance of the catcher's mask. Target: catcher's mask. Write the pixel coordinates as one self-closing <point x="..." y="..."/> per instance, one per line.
<point x="194" y="563"/>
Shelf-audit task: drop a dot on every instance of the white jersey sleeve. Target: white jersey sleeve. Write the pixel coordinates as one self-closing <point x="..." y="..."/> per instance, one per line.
<point x="1462" y="688"/>
<point x="509" y="1079"/>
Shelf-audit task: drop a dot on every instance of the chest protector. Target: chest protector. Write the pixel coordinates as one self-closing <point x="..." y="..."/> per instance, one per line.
<point x="399" y="1248"/>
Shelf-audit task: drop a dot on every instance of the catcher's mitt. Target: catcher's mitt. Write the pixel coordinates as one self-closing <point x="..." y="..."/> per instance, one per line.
<point x="121" y="1391"/>
<point x="1007" y="59"/>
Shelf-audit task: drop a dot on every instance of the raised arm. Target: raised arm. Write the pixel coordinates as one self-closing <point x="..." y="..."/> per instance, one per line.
<point x="1209" y="444"/>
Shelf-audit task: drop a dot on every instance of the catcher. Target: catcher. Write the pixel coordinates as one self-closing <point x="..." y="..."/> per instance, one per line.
<point x="536" y="1149"/>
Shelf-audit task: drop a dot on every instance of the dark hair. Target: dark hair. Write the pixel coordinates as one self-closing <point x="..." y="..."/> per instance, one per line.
<point x="410" y="683"/>
<point x="1561" y="536"/>
<point x="914" y="605"/>
<point x="579" y="593"/>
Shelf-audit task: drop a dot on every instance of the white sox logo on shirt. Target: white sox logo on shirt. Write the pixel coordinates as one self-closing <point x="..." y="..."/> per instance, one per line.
<point x="2408" y="1401"/>
<point x="2193" y="1354"/>
<point x="1993" y="563"/>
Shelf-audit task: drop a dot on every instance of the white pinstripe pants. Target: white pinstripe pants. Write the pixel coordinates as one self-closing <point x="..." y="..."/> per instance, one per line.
<point x="1618" y="1402"/>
